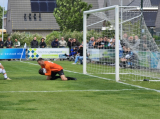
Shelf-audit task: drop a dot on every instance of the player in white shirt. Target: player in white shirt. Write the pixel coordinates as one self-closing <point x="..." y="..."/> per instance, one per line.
<point x="2" y="70"/>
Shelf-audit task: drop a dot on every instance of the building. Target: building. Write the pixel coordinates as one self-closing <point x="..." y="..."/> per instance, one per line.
<point x="157" y="24"/>
<point x="150" y="10"/>
<point x="26" y="16"/>
<point x="34" y="16"/>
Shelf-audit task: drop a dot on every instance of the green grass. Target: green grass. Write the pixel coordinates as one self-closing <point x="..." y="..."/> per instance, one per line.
<point x="73" y="99"/>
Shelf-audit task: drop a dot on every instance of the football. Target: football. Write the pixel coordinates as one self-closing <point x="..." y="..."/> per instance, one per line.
<point x="44" y="70"/>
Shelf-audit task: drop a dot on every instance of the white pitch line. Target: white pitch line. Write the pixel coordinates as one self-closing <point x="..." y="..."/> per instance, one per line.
<point x="109" y="79"/>
<point x="66" y="91"/>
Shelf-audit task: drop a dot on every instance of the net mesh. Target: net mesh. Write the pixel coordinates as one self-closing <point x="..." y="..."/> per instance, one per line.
<point x="139" y="56"/>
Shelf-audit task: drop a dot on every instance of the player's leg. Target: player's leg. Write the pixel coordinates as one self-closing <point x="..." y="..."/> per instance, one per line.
<point x="53" y="76"/>
<point x="63" y="77"/>
<point x="3" y="71"/>
<point x="48" y="77"/>
<point x="76" y="60"/>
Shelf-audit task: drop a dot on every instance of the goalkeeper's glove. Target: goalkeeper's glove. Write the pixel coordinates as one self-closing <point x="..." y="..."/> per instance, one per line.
<point x="41" y="71"/>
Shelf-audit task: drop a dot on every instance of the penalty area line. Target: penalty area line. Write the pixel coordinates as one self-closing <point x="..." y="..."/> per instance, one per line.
<point x="67" y="91"/>
<point x="140" y="87"/>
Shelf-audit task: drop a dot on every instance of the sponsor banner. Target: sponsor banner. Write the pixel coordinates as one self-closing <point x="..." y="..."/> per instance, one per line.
<point x="101" y="54"/>
<point x="34" y="53"/>
<point x="12" y="53"/>
<point x="144" y="59"/>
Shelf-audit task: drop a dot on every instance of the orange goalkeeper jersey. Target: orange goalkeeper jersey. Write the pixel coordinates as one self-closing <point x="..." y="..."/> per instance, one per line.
<point x="50" y="66"/>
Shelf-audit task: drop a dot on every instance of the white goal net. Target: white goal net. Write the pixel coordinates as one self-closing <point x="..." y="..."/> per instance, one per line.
<point x="119" y="45"/>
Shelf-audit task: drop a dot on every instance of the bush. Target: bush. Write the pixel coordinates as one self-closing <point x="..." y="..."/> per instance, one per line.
<point x="156" y="37"/>
<point x="29" y="38"/>
<point x="68" y="34"/>
<point x="5" y="36"/>
<point x="25" y="38"/>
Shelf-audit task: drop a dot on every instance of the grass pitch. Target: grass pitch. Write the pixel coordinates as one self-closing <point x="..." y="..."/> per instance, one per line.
<point x="30" y="96"/>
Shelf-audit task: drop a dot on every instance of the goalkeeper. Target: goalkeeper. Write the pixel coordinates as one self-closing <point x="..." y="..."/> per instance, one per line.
<point x="2" y="70"/>
<point x="50" y="69"/>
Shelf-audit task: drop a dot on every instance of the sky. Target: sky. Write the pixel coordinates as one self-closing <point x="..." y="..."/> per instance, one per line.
<point x="5" y="3"/>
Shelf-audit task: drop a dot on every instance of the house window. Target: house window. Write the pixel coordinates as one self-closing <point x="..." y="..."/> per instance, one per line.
<point x="43" y="6"/>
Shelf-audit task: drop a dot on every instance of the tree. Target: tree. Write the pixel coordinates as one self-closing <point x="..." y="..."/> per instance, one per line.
<point x="69" y="14"/>
<point x="1" y="14"/>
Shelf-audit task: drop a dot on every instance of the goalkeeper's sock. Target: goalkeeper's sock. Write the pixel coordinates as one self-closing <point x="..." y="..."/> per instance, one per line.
<point x="71" y="78"/>
<point x="56" y="77"/>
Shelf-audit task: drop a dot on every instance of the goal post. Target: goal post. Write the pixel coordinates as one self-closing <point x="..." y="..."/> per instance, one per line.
<point x="116" y="7"/>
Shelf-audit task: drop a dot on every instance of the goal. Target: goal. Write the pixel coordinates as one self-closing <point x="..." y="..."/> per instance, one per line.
<point x="118" y="45"/>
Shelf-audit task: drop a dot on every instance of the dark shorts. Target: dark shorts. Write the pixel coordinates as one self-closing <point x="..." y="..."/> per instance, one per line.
<point x="53" y="74"/>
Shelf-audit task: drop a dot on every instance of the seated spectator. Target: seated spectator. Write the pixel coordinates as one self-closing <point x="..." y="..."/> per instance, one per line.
<point x="42" y="43"/>
<point x="55" y="43"/>
<point x="73" y="52"/>
<point x="80" y="56"/>
<point x="16" y="43"/>
<point x="34" y="43"/>
<point x="1" y="43"/>
<point x="62" y="43"/>
<point x="8" y="43"/>
<point x="127" y="58"/>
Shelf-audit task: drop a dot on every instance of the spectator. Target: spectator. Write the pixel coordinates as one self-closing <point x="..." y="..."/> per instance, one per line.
<point x="80" y="56"/>
<point x="8" y="43"/>
<point x="90" y="44"/>
<point x="55" y="43"/>
<point x="128" y="58"/>
<point x="34" y="43"/>
<point x="16" y="43"/>
<point x="69" y="43"/>
<point x="62" y="43"/>
<point x="109" y="40"/>
<point x="42" y="43"/>
<point x="137" y="43"/>
<point x="86" y="44"/>
<point x="124" y="39"/>
<point x="75" y="43"/>
<point x="131" y="40"/>
<point x="1" y="43"/>
<point x="101" y="43"/>
<point x="105" y="43"/>
<point x="112" y="46"/>
<point x="95" y="44"/>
